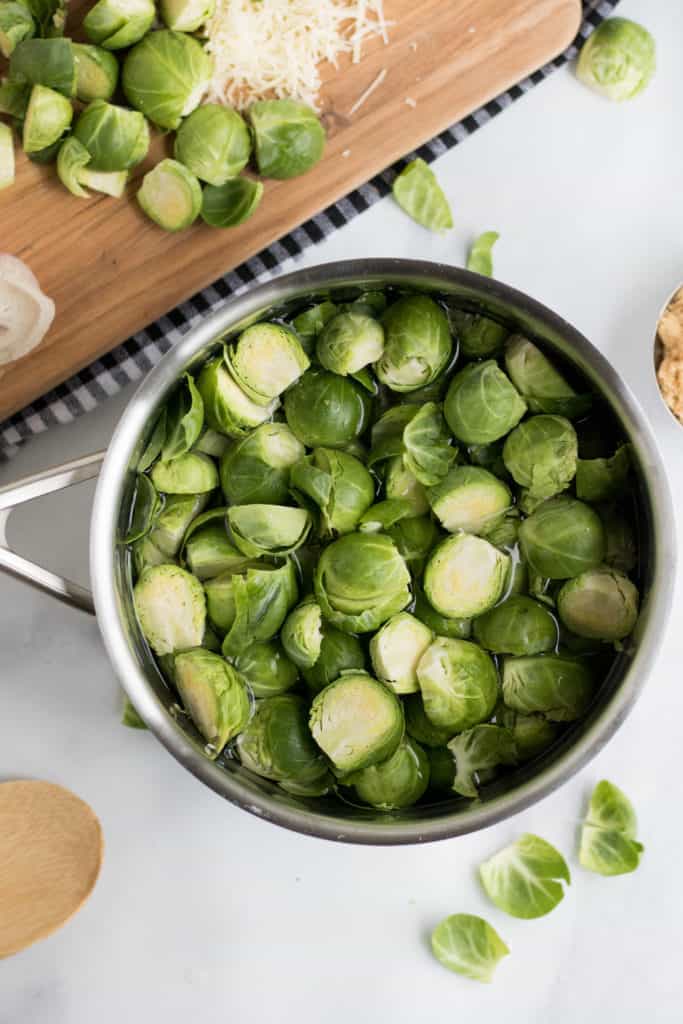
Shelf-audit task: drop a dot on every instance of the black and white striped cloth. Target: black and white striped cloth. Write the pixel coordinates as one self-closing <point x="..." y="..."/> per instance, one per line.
<point x="131" y="360"/>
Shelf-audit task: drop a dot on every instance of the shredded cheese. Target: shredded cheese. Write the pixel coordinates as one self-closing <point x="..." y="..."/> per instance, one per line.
<point x="368" y="92"/>
<point x="273" y="48"/>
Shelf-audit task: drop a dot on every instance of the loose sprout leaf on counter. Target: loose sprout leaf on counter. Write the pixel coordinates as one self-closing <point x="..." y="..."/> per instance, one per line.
<point x="618" y="59"/>
<point x="608" y="836"/>
<point x="467" y="944"/>
<point x="525" y="878"/>
<point x="480" y="258"/>
<point x="418" y="193"/>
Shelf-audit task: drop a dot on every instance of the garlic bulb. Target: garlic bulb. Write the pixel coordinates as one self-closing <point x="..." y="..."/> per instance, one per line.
<point x="25" y="312"/>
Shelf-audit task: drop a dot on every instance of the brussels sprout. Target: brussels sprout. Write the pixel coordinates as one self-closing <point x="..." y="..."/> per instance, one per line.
<point x="302" y="634"/>
<point x="266" y="669"/>
<point x="116" y="138"/>
<point x="214" y="694"/>
<point x="130" y="717"/>
<point x="6" y="156"/>
<point x="480" y="258"/>
<point x="603" y="479"/>
<point x="165" y="76"/>
<point x="465" y="576"/>
<point x="350" y="341"/>
<point x="74" y="173"/>
<point x="381" y="516"/>
<point x="422" y="728"/>
<point x="441" y="770"/>
<point x="489" y="456"/>
<point x="439" y="624"/>
<point x="207" y="548"/>
<point x="48" y="62"/>
<point x="414" y="537"/>
<point x="97" y="72"/>
<point x="263" y="595"/>
<point x="256" y="469"/>
<point x="420" y="436"/>
<point x="174" y="519"/>
<point x="16" y="25"/>
<point x="525" y="879"/>
<point x="226" y="407"/>
<point x="396" y="650"/>
<point x="370" y="303"/>
<point x="145" y="553"/>
<point x="144" y="508"/>
<point x="171" y="608"/>
<point x="470" y="499"/>
<point x="210" y="442"/>
<point x="478" y="751"/>
<point x="14" y="97"/>
<point x="310" y="323"/>
<point x="419" y="194"/>
<point x="401" y="485"/>
<point x="186" y="15"/>
<point x="184" y="420"/>
<point x="541" y="455"/>
<point x="600" y="604"/>
<point x="481" y="404"/>
<point x="467" y="944"/>
<point x="620" y="540"/>
<point x="361" y="581"/>
<point x="213" y="143"/>
<point x="49" y="16"/>
<point x="170" y="196"/>
<point x="288" y="137"/>
<point x="532" y="733"/>
<point x="155" y="443"/>
<point x="504" y="535"/>
<point x="116" y="24"/>
<point x="220" y="598"/>
<point x="226" y="206"/>
<point x="48" y="116"/>
<point x="517" y="626"/>
<point x="618" y="59"/>
<point x="560" y="687"/>
<point x="268" y="529"/>
<point x="542" y="386"/>
<point x="338" y="653"/>
<point x="417" y="343"/>
<point x="192" y="473"/>
<point x="356" y="721"/>
<point x="479" y="337"/>
<point x="398" y="782"/>
<point x="266" y="360"/>
<point x="340" y="486"/>
<point x="276" y="743"/>
<point x="608" y="836"/>
<point x="562" y="538"/>
<point x="324" y="409"/>
<point x="459" y="684"/>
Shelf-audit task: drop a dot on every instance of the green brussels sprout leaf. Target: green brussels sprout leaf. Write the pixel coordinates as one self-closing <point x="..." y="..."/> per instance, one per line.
<point x="525" y="879"/>
<point x="419" y="194"/>
<point x="480" y="750"/>
<point x="608" y="836"/>
<point x="185" y="419"/>
<point x="480" y="258"/>
<point x="466" y="944"/>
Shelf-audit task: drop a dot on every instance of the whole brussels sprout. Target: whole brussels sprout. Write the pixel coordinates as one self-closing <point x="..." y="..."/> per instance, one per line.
<point x="350" y="341"/>
<point x="310" y="323"/>
<point x="326" y="410"/>
<point x="618" y="59"/>
<point x="192" y="473"/>
<point x="419" y="435"/>
<point x="478" y="751"/>
<point x="470" y="499"/>
<point x="214" y="695"/>
<point x="338" y="653"/>
<point x="165" y="76"/>
<point x="398" y="782"/>
<point x="541" y="455"/>
<point x="302" y="634"/>
<point x="542" y="386"/>
<point x="206" y="546"/>
<point x="116" y="138"/>
<point x="414" y="536"/>
<point x="559" y="687"/>
<point x="601" y="604"/>
<point x="603" y="479"/>
<point x="226" y="407"/>
<point x="396" y="649"/>
<point x="256" y="469"/>
<point x="266" y="669"/>
<point x="532" y="733"/>
<point x="268" y="529"/>
<point x="465" y="576"/>
<point x="401" y="484"/>
<point x="266" y="360"/>
<point x="479" y="337"/>
<point x="519" y="625"/>
<point x="171" y="608"/>
<point x="356" y="721"/>
<point x="340" y="486"/>
<point x="288" y="137"/>
<point x="361" y="581"/>
<point x="417" y="343"/>
<point x="481" y="404"/>
<point x="562" y="538"/>
<point x="213" y="143"/>
<point x="459" y="684"/>
<point x="276" y="744"/>
<point x="439" y="624"/>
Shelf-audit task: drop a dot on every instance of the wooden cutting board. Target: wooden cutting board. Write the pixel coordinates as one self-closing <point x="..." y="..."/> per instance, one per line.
<point x="111" y="271"/>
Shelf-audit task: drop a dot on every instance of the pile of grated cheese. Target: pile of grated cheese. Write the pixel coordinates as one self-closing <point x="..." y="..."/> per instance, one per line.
<point x="272" y="48"/>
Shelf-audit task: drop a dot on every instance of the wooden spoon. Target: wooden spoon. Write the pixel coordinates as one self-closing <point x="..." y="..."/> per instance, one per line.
<point x="50" y="857"/>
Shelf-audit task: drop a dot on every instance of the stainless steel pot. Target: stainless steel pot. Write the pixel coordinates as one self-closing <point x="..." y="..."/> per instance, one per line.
<point x="111" y="571"/>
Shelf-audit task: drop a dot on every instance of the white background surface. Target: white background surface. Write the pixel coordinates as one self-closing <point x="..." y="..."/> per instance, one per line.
<point x="205" y="913"/>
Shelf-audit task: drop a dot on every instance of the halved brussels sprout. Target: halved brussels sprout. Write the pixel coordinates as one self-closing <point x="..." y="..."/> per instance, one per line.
<point x="171" y="608"/>
<point x="465" y="576"/>
<point x="417" y="343"/>
<point x="603" y="479"/>
<point x="340" y="486"/>
<point x="207" y="548"/>
<point x="350" y="341"/>
<point x="481" y="404"/>
<point x="256" y="469"/>
<point x="192" y="473"/>
<point x="268" y="529"/>
<point x="116" y="138"/>
<point x="532" y="733"/>
<point x="277" y="744"/>
<point x="172" y="522"/>
<point x="263" y="595"/>
<point x="356" y="721"/>
<point x="288" y="137"/>
<point x="165" y="76"/>
<point x="540" y="384"/>
<point x="226" y="206"/>
<point x="6" y="156"/>
<point x="324" y="409"/>
<point x="310" y="323"/>
<point x="479" y="337"/>
<point x="338" y="653"/>
<point x="97" y="72"/>
<point x="361" y="581"/>
<point x="398" y="782"/>
<point x="220" y="597"/>
<point x="477" y="752"/>
<point x="541" y="455"/>
<point x="213" y="143"/>
<point x="470" y="499"/>
<point x="74" y="172"/>
<point x="560" y="687"/>
<point x="419" y="194"/>
<point x="48" y="62"/>
<point x="266" y="669"/>
<point x="519" y="625"/>
<point x="562" y="538"/>
<point x="170" y="196"/>
<point x="458" y="682"/>
<point x="226" y="407"/>
<point x="600" y="604"/>
<point x="418" y="434"/>
<point x="302" y="634"/>
<point x="618" y="59"/>
<point x="214" y="695"/>
<point x="116" y="24"/>
<point x="186" y="15"/>
<point x="396" y="650"/>
<point x="266" y="360"/>
<point x="48" y="116"/>
<point x="16" y="24"/>
<point x="440" y="624"/>
<point x="402" y="485"/>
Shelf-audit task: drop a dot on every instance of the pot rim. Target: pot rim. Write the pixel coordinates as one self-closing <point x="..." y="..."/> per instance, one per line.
<point x="112" y="620"/>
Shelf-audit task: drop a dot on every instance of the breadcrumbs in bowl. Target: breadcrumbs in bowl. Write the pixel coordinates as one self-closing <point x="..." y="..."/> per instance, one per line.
<point x="669" y="354"/>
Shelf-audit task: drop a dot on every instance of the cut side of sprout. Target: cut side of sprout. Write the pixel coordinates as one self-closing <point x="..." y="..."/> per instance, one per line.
<point x="465" y="576"/>
<point x="396" y="650"/>
<point x="6" y="157"/>
<point x="356" y="721"/>
<point x="171" y="608"/>
<point x="266" y="360"/>
<point x="171" y="196"/>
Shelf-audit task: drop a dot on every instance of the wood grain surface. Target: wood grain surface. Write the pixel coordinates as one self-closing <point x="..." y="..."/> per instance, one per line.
<point x="111" y="271"/>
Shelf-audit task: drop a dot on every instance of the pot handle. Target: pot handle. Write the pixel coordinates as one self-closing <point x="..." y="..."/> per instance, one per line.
<point x="56" y="479"/>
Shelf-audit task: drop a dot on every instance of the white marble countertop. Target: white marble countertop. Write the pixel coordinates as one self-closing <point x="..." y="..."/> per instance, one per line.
<point x="205" y="913"/>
